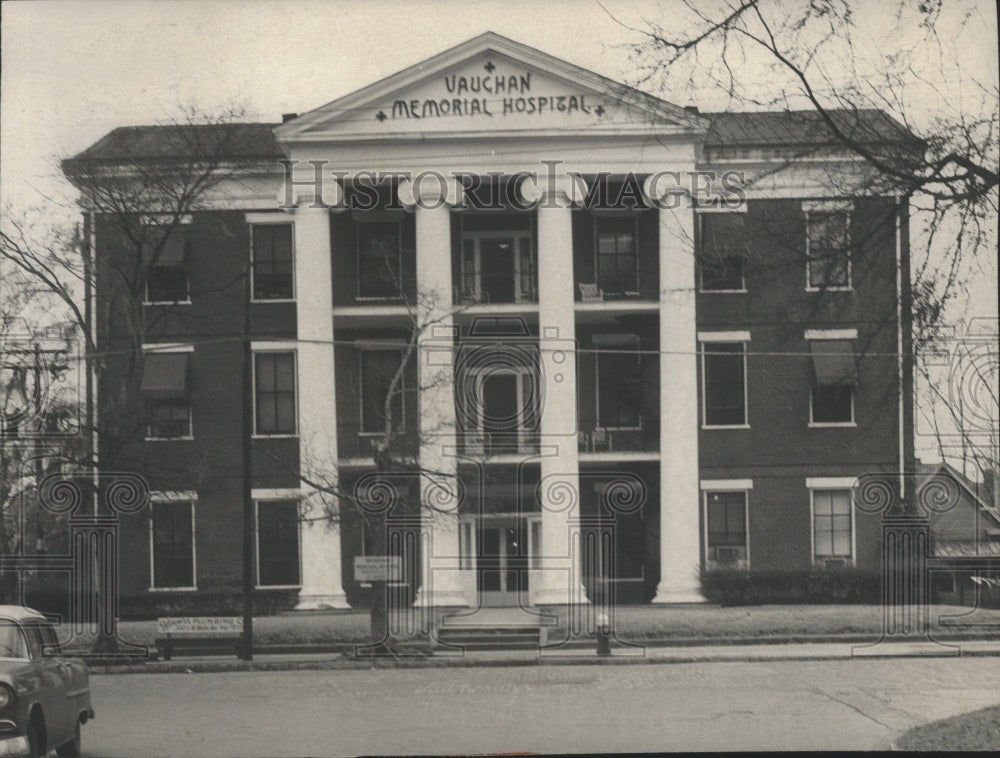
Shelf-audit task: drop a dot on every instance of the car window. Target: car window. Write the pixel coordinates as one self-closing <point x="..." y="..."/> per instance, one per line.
<point x="34" y="640"/>
<point x="12" y="642"/>
<point x="50" y="640"/>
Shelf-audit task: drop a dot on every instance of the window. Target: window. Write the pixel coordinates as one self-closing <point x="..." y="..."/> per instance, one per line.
<point x="726" y="526"/>
<point x="12" y="642"/>
<point x="169" y="418"/>
<point x="378" y="367"/>
<point x="616" y="254"/>
<point x="619" y="386"/>
<point x="833" y="527"/>
<point x="272" y="262"/>
<point x="834" y="379"/>
<point x="166" y="256"/>
<point x="827" y="250"/>
<point x="724" y="383"/>
<point x="722" y="253"/>
<point x="166" y="394"/>
<point x="278" y="543"/>
<point x="173" y="544"/>
<point x="274" y="383"/>
<point x="379" y="266"/>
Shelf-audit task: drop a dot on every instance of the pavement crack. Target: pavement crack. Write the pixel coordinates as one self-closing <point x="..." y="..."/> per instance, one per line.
<point x="854" y="708"/>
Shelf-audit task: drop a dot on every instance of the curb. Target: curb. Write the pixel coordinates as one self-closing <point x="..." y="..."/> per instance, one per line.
<point x="479" y="660"/>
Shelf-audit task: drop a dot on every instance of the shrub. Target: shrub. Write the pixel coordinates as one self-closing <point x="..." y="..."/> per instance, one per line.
<point x="847" y="585"/>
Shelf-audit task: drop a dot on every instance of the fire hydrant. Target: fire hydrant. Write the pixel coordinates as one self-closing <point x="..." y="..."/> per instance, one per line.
<point x="603" y="635"/>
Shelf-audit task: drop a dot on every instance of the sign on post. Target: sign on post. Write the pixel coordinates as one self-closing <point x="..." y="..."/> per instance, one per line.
<point x="199" y="625"/>
<point x="377" y="568"/>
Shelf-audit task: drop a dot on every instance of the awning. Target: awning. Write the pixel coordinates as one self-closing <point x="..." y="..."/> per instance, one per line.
<point x="723" y="234"/>
<point x="833" y="362"/>
<point x="166" y="374"/>
<point x="173" y="251"/>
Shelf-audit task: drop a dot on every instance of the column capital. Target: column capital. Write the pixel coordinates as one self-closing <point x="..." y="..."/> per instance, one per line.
<point x="430" y="189"/>
<point x="554" y="190"/>
<point x="325" y="195"/>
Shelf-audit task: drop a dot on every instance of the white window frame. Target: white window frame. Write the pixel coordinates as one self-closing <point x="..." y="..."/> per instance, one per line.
<point x="519" y="236"/>
<point x="742" y="337"/>
<point x="835" y="484"/>
<point x="818" y="335"/>
<point x="615" y="343"/>
<point x="599" y="216"/>
<point x="171" y="347"/>
<point x="728" y="486"/>
<point x="700" y="215"/>
<point x="151" y="220"/>
<point x="273" y="496"/>
<point x="271" y="219"/>
<point x="257" y="348"/>
<point x="827" y="207"/>
<point x="176" y="497"/>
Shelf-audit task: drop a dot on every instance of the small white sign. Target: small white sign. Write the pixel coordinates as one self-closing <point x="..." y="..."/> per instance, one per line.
<point x="377" y="568"/>
<point x="200" y="625"/>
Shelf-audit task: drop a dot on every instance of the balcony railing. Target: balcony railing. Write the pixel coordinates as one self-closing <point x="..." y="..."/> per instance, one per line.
<point x="601" y="440"/>
<point x="491" y="443"/>
<point x="355" y="442"/>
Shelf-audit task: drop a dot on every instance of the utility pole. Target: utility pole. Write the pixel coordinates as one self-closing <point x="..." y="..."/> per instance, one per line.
<point x="247" y="484"/>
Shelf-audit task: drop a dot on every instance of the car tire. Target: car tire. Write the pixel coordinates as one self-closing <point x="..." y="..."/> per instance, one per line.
<point x="34" y="738"/>
<point x="71" y="749"/>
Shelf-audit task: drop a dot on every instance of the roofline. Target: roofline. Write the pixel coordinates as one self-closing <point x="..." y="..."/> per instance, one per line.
<point x="292" y="130"/>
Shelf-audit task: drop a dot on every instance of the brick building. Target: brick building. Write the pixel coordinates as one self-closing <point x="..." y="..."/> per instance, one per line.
<point x="615" y="343"/>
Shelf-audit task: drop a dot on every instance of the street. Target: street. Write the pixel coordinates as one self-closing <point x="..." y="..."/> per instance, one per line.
<point x="800" y="705"/>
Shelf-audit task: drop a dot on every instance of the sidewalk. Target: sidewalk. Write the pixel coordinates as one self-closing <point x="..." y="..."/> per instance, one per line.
<point x="620" y="655"/>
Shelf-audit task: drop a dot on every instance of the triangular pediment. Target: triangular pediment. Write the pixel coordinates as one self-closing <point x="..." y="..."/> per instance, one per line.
<point x="489" y="85"/>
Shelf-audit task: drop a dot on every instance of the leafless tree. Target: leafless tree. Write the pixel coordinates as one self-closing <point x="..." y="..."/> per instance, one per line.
<point x="829" y="64"/>
<point x="138" y="191"/>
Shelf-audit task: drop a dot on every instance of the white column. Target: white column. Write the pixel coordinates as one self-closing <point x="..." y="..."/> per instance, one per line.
<point x="560" y="580"/>
<point x="441" y="583"/>
<point x="321" y="573"/>
<point x="680" y="497"/>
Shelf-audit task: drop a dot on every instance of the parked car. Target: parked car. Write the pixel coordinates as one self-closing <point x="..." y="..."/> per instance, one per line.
<point x="44" y="697"/>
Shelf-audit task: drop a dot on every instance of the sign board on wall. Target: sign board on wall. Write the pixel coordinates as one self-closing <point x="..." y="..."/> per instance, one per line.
<point x="377" y="568"/>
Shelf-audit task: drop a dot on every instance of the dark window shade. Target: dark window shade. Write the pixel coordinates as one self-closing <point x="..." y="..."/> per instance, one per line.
<point x="165" y="249"/>
<point x="272" y="261"/>
<point x="833" y="362"/>
<point x="173" y="545"/>
<point x="724" y="382"/>
<point x="168" y="417"/>
<point x="165" y="374"/>
<point x="722" y="235"/>
<point x="278" y="543"/>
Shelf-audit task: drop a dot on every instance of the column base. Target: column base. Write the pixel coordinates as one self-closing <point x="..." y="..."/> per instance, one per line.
<point x="316" y="602"/>
<point x="440" y="599"/>
<point x="679" y="595"/>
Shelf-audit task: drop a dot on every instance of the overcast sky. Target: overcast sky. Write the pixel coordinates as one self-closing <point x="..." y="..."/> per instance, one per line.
<point x="74" y="70"/>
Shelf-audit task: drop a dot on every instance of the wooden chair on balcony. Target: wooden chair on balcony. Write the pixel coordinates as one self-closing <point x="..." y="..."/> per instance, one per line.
<point x="589" y="292"/>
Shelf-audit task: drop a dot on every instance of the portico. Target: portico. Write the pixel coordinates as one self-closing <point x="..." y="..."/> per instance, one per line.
<point x="546" y="134"/>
